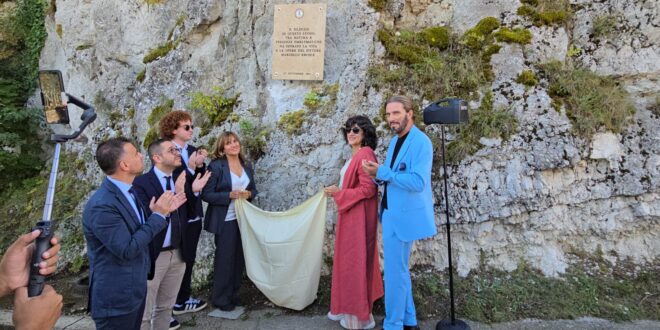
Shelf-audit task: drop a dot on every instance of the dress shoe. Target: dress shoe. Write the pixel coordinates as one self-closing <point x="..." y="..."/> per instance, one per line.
<point x="410" y="327"/>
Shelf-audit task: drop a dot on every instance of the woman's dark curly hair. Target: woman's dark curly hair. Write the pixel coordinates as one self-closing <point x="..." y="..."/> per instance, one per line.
<point x="369" y="131"/>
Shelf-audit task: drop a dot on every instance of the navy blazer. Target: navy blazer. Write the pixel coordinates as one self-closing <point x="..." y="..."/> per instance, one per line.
<point x="216" y="193"/>
<point x="147" y="186"/>
<point x="194" y="203"/>
<point x="118" y="251"/>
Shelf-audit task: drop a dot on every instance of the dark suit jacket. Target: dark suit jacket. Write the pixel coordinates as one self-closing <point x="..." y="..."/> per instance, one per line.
<point x="148" y="186"/>
<point x="194" y="210"/>
<point x="118" y="251"/>
<point x="216" y="193"/>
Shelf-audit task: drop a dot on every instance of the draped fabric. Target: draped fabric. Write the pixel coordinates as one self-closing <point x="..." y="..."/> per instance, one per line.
<point x="283" y="250"/>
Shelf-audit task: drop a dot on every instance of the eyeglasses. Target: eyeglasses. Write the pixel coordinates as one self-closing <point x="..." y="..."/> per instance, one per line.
<point x="174" y="151"/>
<point x="355" y="130"/>
<point x="188" y="127"/>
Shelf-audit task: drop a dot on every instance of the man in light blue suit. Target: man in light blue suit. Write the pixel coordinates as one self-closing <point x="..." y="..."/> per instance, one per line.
<point x="406" y="207"/>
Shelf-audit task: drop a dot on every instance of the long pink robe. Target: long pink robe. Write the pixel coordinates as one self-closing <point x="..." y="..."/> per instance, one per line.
<point x="356" y="279"/>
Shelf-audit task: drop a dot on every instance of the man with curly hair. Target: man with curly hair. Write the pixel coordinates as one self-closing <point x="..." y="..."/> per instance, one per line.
<point x="177" y="127"/>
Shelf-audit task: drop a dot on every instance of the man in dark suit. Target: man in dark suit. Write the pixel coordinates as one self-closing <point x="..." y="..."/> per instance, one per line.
<point x="118" y="234"/>
<point x="167" y="262"/>
<point x="177" y="127"/>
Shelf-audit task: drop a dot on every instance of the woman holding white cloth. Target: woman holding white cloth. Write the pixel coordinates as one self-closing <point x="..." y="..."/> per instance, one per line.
<point x="231" y="178"/>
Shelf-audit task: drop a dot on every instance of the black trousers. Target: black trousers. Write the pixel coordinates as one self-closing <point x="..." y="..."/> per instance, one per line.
<point x="192" y="236"/>
<point x="228" y="265"/>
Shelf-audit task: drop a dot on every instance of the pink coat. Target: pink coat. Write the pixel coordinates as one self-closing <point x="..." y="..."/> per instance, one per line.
<point x="356" y="279"/>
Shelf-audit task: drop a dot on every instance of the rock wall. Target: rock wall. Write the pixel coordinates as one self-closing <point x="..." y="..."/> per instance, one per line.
<point x="536" y="197"/>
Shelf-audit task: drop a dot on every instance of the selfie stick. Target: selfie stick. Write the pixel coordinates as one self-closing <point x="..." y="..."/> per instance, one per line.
<point x="42" y="244"/>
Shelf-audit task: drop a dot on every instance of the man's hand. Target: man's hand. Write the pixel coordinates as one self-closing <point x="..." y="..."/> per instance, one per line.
<point x="15" y="264"/>
<point x="370" y="167"/>
<point x="200" y="181"/>
<point x="200" y="157"/>
<point x="197" y="158"/>
<point x="167" y="202"/>
<point x="40" y="312"/>
<point x="180" y="184"/>
<point x="331" y="190"/>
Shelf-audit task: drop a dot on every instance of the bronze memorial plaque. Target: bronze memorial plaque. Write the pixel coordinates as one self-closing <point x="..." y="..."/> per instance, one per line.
<point x="299" y="41"/>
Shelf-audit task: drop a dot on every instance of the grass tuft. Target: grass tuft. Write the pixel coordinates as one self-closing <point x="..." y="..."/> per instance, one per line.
<point x="605" y="26"/>
<point x="592" y="102"/>
<point x="527" y="78"/>
<point x="216" y="106"/>
<point x="546" y="12"/>
<point x="141" y="75"/>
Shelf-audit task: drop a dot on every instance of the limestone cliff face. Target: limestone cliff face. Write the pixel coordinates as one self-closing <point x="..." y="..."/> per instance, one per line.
<point x="534" y="197"/>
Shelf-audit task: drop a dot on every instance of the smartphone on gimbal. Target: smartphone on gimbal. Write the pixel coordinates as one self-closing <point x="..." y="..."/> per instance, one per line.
<point x="52" y="97"/>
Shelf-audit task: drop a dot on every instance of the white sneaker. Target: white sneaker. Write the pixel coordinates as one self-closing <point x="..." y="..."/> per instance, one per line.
<point x="335" y="317"/>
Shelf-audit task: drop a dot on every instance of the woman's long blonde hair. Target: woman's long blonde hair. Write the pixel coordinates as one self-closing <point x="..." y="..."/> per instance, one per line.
<point x="219" y="146"/>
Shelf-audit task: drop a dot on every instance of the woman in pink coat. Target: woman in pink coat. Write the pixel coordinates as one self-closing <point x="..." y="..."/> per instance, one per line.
<point x="356" y="279"/>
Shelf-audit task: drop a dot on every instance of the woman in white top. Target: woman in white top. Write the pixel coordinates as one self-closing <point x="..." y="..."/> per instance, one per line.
<point x="231" y="178"/>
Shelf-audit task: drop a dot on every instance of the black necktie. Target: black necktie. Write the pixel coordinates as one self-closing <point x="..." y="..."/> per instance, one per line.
<point x="175" y="239"/>
<point x="137" y="205"/>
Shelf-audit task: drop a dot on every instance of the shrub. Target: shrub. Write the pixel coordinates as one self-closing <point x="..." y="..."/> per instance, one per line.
<point x="253" y="139"/>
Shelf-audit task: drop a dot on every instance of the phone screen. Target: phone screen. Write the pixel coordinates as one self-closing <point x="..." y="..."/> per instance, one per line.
<point x="52" y="87"/>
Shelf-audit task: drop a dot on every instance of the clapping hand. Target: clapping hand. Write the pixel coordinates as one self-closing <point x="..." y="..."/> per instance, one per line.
<point x="197" y="158"/>
<point x="180" y="184"/>
<point x="167" y="202"/>
<point x="200" y="181"/>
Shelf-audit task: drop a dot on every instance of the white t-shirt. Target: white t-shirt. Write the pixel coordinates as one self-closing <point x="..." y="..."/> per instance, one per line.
<point x="237" y="183"/>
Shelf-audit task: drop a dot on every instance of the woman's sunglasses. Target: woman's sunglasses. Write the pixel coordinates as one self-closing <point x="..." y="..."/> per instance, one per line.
<point x="188" y="127"/>
<point x="355" y="130"/>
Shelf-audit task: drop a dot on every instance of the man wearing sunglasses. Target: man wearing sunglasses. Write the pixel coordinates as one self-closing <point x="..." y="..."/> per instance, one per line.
<point x="177" y="127"/>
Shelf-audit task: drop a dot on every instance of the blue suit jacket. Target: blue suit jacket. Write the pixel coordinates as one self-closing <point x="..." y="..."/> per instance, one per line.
<point x="118" y="251"/>
<point x="409" y="196"/>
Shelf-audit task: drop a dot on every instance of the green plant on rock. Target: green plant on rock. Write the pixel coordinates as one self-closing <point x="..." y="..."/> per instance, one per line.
<point x="592" y="102"/>
<point x="292" y="121"/>
<point x="437" y="36"/>
<point x="546" y="12"/>
<point x="322" y="100"/>
<point x="604" y="26"/>
<point x="480" y="35"/>
<point x="484" y="122"/>
<point x="527" y="78"/>
<point x="156" y="114"/>
<point x="141" y="75"/>
<point x="312" y="100"/>
<point x="253" y="139"/>
<point x="160" y="51"/>
<point x="378" y="5"/>
<point x="517" y="35"/>
<point x="216" y="106"/>
<point x="573" y="51"/>
<point x="414" y="66"/>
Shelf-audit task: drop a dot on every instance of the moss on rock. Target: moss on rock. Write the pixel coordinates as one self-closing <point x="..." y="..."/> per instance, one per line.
<point x="517" y="35"/>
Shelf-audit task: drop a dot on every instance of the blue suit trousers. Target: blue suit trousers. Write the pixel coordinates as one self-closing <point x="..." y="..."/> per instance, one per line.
<point x="399" y="304"/>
